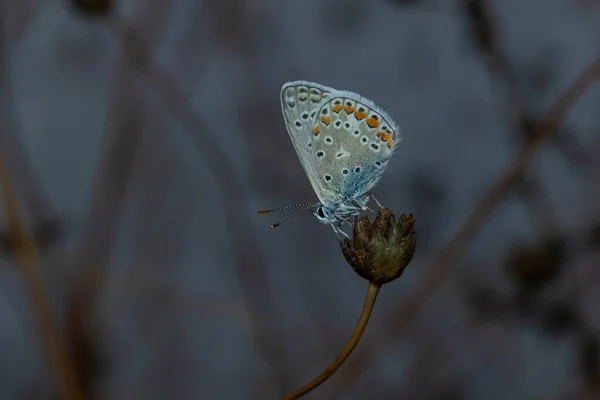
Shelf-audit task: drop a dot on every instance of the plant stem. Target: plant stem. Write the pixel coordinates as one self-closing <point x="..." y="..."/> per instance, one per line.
<point x="48" y="328"/>
<point x="363" y="320"/>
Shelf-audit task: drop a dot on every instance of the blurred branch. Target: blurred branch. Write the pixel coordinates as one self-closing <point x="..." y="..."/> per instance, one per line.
<point x="48" y="329"/>
<point x="114" y="173"/>
<point x="486" y="30"/>
<point x="442" y="262"/>
<point x="249" y="261"/>
<point x="27" y="186"/>
<point x="124" y="133"/>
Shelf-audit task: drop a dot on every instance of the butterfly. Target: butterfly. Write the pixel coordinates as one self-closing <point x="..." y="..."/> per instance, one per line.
<point x="344" y="142"/>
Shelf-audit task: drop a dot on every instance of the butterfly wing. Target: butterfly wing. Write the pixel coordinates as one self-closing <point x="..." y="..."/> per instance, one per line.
<point x="300" y="102"/>
<point x="353" y="140"/>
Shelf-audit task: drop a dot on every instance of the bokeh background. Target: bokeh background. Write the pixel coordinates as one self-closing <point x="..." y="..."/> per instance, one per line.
<point x="141" y="136"/>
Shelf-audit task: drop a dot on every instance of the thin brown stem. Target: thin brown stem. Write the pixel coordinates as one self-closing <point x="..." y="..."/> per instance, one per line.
<point x="48" y="329"/>
<point x="363" y="320"/>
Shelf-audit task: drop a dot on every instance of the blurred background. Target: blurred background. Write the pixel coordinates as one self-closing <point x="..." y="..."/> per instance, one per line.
<point x="139" y="137"/>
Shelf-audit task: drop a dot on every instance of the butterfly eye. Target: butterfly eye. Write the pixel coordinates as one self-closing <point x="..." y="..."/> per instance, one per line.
<point x="320" y="212"/>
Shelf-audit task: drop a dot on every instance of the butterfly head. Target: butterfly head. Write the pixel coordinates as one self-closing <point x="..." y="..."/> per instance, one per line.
<point x="324" y="214"/>
<point x="340" y="211"/>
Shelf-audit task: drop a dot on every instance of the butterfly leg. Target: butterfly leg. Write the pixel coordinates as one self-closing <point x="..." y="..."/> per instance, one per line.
<point x="376" y="201"/>
<point x="337" y="231"/>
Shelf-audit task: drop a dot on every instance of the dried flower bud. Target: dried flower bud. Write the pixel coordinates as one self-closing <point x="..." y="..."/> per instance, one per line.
<point x="379" y="251"/>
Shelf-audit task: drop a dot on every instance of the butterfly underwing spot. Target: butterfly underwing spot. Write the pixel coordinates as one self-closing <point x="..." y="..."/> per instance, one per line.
<point x="356" y="132"/>
<point x="328" y="177"/>
<point x="305" y="115"/>
<point x="385" y="136"/>
<point x="302" y="93"/>
<point x="312" y="115"/>
<point x="328" y="140"/>
<point x="390" y="143"/>
<point x="349" y="106"/>
<point x="373" y="121"/>
<point x="347" y="125"/>
<point x="315" y="95"/>
<point x="360" y="113"/>
<point x="374" y="146"/>
<point x="357" y="169"/>
<point x="341" y="154"/>
<point x="310" y="145"/>
<point x="338" y="123"/>
<point x="364" y="140"/>
<point x="345" y="171"/>
<point x="378" y="164"/>
<point x="320" y="154"/>
<point x="316" y="130"/>
<point x="291" y="103"/>
<point x="325" y="119"/>
<point x="336" y="105"/>
<point x="298" y="123"/>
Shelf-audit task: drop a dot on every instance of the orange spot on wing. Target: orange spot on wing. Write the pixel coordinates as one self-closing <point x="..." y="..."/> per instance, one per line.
<point x="316" y="130"/>
<point x="360" y="115"/>
<point x="325" y="120"/>
<point x="380" y="133"/>
<point x="349" y="109"/>
<point x="337" y="108"/>
<point x="390" y="143"/>
<point x="373" y="123"/>
<point x="385" y="137"/>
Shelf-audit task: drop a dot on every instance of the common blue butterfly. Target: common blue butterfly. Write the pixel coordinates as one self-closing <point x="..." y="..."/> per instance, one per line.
<point x="344" y="142"/>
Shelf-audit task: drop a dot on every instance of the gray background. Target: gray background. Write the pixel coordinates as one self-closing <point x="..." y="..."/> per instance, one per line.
<point x="166" y="208"/>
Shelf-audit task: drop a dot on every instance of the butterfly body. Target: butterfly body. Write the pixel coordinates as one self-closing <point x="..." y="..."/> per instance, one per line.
<point x="344" y="142"/>
<point x="346" y="208"/>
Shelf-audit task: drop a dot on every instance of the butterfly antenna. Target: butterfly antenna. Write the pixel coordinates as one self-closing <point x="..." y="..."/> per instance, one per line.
<point x="292" y="216"/>
<point x="285" y="208"/>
